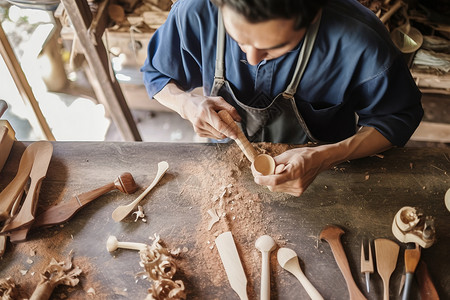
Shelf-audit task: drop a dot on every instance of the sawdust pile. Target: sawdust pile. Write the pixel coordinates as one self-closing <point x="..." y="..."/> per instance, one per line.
<point x="224" y="184"/>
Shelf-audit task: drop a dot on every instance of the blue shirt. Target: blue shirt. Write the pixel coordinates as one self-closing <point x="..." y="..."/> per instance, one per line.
<point x="354" y="70"/>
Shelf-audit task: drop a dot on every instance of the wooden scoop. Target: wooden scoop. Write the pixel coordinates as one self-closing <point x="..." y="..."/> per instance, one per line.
<point x="288" y="260"/>
<point x="122" y="211"/>
<point x="332" y="234"/>
<point x="64" y="211"/>
<point x="42" y="154"/>
<point x="10" y="194"/>
<point x="263" y="163"/>
<point x="386" y="252"/>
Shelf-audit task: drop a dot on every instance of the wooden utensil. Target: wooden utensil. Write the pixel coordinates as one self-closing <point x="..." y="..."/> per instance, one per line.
<point x="412" y="257"/>
<point x="10" y="194"/>
<point x="265" y="244"/>
<point x="64" y="211"/>
<point x="386" y="252"/>
<point x="42" y="156"/>
<point x="122" y="211"/>
<point x="288" y="260"/>
<point x="112" y="244"/>
<point x="332" y="234"/>
<point x="263" y="163"/>
<point x="232" y="264"/>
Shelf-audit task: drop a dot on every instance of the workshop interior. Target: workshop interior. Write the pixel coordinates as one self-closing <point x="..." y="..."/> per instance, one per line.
<point x="76" y="122"/>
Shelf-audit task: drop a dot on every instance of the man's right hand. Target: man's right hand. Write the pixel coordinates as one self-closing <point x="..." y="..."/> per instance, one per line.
<point x="200" y="110"/>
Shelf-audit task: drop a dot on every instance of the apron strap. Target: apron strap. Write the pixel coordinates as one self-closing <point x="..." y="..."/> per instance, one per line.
<point x="220" y="49"/>
<point x="303" y="58"/>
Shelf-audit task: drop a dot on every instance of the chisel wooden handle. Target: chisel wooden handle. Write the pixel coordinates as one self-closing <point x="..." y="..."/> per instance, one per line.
<point x="241" y="140"/>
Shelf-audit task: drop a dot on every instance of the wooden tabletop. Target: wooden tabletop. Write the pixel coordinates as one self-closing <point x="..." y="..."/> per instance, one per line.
<point x="361" y="196"/>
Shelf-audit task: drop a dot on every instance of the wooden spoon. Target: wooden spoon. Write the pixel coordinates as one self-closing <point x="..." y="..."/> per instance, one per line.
<point x="265" y="244"/>
<point x="122" y="211"/>
<point x="64" y="211"/>
<point x="42" y="156"/>
<point x="288" y="260"/>
<point x="263" y="163"/>
<point x="10" y="194"/>
<point x="386" y="252"/>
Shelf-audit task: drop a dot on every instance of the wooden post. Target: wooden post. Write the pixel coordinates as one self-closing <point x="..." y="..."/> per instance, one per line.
<point x="106" y="87"/>
<point x="22" y="83"/>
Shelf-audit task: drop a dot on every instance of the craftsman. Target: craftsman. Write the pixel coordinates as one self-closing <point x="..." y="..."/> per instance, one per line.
<point x="291" y="71"/>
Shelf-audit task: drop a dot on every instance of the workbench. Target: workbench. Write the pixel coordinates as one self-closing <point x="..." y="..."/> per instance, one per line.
<point x="360" y="196"/>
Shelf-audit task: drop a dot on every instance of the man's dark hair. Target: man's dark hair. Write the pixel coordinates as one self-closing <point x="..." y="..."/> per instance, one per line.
<point x="255" y="11"/>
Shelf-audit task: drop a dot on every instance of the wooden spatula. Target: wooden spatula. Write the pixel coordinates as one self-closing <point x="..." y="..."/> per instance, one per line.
<point x="25" y="216"/>
<point x="386" y="252"/>
<point x="10" y="194"/>
<point x="232" y="264"/>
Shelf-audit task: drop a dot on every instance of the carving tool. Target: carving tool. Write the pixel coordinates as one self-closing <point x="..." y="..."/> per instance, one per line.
<point x="288" y="260"/>
<point x="366" y="264"/>
<point x="412" y="257"/>
<point x="122" y="211"/>
<point x="232" y="264"/>
<point x="332" y="234"/>
<point x="64" y="211"/>
<point x="265" y="244"/>
<point x="386" y="252"/>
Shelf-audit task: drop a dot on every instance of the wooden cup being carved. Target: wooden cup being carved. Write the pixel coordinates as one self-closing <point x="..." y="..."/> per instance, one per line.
<point x="263" y="163"/>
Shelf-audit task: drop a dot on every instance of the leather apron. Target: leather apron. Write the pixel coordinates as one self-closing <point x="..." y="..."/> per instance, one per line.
<point x="277" y="120"/>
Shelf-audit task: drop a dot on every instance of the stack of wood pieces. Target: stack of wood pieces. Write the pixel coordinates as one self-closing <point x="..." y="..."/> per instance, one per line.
<point x="144" y="15"/>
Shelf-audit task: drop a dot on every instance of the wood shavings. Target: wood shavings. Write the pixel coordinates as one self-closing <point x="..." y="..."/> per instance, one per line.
<point x="140" y="214"/>
<point x="160" y="267"/>
<point x="214" y="218"/>
<point x="8" y="290"/>
<point x="55" y="274"/>
<point x="167" y="289"/>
